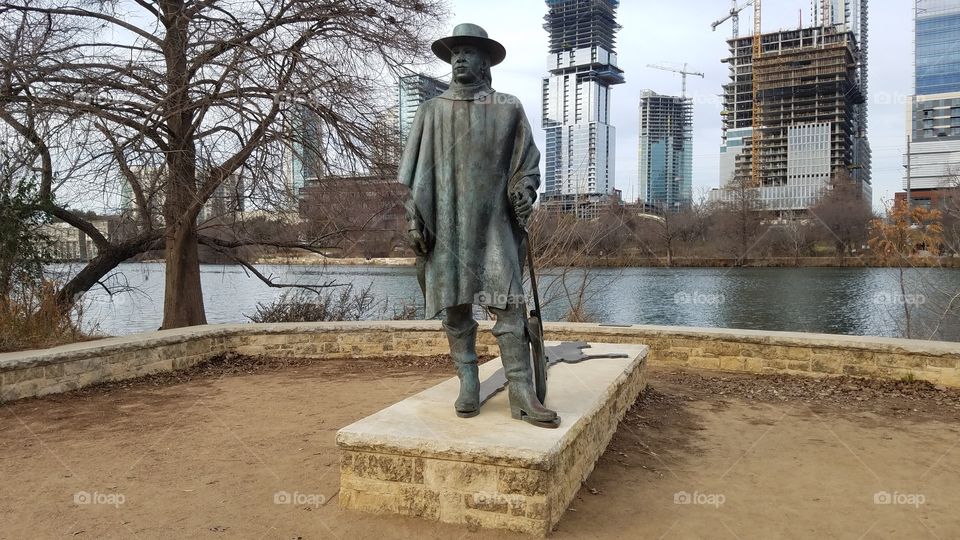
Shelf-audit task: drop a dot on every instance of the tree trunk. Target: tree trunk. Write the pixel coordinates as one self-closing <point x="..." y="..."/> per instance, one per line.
<point x="101" y="265"/>
<point x="88" y="277"/>
<point x="182" y="295"/>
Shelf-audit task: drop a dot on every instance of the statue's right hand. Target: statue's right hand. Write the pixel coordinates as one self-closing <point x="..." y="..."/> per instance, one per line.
<point x="418" y="242"/>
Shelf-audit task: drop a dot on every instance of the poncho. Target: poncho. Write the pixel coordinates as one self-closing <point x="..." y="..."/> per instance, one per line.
<point x="467" y="150"/>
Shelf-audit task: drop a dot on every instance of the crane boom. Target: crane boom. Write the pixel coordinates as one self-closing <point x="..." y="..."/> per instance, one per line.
<point x="756" y="135"/>
<point x="734" y="14"/>
<point x="682" y="71"/>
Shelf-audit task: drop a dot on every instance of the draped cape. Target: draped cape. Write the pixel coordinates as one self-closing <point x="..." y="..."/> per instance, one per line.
<point x="465" y="155"/>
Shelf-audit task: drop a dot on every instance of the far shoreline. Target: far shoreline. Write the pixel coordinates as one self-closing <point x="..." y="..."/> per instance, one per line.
<point x="630" y="262"/>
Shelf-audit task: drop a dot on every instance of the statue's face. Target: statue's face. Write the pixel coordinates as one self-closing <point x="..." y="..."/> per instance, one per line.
<point x="468" y="64"/>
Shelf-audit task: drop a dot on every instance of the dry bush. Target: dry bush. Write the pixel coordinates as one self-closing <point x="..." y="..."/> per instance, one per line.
<point x="339" y="304"/>
<point x="33" y="319"/>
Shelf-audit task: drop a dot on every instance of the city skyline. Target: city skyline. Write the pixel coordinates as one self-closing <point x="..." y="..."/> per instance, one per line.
<point x="645" y="39"/>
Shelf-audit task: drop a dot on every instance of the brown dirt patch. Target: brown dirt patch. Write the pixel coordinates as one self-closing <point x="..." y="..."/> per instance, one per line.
<point x="201" y="454"/>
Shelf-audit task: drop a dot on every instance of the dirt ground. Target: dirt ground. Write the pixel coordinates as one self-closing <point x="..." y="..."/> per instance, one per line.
<point x="204" y="454"/>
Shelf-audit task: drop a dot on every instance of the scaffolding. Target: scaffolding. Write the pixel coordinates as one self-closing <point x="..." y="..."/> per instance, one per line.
<point x="581" y="24"/>
<point x="804" y="76"/>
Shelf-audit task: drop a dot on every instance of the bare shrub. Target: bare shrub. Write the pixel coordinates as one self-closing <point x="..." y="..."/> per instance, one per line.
<point x="32" y="319"/>
<point x="339" y="304"/>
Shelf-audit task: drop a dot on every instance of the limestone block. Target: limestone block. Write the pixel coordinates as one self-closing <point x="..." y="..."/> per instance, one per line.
<point x="942" y="361"/>
<point x="949" y="377"/>
<point x="390" y="468"/>
<point x="20" y="375"/>
<point x="704" y="363"/>
<point x="514" y="480"/>
<point x="826" y="364"/>
<point x="889" y="360"/>
<point x="722" y="348"/>
<point x="419" y="501"/>
<point x="438" y="474"/>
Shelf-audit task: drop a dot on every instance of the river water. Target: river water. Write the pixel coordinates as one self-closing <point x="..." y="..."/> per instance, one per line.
<point x="855" y="301"/>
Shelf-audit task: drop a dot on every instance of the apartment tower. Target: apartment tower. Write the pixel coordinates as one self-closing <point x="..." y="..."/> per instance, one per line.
<point x="580" y="142"/>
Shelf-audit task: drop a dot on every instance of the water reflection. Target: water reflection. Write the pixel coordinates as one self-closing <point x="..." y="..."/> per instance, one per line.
<point x="857" y="301"/>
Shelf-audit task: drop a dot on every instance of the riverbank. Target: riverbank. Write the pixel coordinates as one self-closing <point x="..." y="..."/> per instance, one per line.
<point x="248" y="451"/>
<point x="642" y="262"/>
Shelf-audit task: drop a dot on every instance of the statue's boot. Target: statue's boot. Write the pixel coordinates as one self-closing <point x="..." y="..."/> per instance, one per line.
<point x="463" y="349"/>
<point x="524" y="405"/>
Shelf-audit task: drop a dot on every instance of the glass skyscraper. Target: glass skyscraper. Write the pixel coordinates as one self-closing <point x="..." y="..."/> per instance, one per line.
<point x="933" y="160"/>
<point x="937" y="47"/>
<point x="302" y="159"/>
<point x="666" y="151"/>
<point x="414" y="90"/>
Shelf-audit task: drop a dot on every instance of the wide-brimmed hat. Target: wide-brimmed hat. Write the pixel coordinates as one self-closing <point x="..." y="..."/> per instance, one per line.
<point x="469" y="34"/>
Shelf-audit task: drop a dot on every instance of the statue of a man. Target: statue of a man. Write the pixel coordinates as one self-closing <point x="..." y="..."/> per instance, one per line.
<point x="473" y="171"/>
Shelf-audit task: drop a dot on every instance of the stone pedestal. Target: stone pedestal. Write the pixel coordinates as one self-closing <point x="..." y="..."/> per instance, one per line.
<point x="417" y="458"/>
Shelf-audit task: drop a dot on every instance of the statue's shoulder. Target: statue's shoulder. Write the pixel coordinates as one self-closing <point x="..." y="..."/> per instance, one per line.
<point x="506" y="100"/>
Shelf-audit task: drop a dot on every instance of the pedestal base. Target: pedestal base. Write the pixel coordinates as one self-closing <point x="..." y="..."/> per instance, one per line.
<point x="418" y="458"/>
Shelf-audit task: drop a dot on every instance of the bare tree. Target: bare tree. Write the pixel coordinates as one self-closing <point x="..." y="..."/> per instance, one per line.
<point x="739" y="218"/>
<point x="950" y="207"/>
<point x="793" y="234"/>
<point x="844" y="214"/>
<point x="565" y="250"/>
<point x="200" y="92"/>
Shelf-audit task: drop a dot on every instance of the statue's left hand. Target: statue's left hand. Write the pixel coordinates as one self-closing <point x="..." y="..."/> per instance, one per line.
<point x="522" y="204"/>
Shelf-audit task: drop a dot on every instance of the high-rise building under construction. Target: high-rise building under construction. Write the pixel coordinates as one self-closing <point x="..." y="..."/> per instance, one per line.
<point x="580" y="142"/>
<point x="811" y="84"/>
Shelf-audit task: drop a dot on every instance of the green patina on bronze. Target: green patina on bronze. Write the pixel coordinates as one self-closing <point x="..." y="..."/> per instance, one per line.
<point x="473" y="171"/>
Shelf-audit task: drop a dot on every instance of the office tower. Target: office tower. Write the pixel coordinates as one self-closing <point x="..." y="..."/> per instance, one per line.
<point x="666" y="151"/>
<point x="580" y="142"/>
<point x="414" y="90"/>
<point x="933" y="127"/>
<point x="302" y="159"/>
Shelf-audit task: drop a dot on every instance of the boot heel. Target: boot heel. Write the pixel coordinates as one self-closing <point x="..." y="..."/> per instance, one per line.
<point x="518" y="414"/>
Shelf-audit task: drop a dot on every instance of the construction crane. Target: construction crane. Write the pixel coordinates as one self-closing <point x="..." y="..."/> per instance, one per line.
<point x="734" y="15"/>
<point x="756" y="135"/>
<point x="682" y="72"/>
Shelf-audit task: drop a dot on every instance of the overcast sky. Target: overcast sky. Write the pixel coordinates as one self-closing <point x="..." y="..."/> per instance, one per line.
<point x="678" y="31"/>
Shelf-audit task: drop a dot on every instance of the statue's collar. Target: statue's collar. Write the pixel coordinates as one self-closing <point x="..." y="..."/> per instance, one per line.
<point x="467" y="92"/>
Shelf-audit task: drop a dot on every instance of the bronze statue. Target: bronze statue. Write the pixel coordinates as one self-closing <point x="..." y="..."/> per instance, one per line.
<point x="473" y="171"/>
